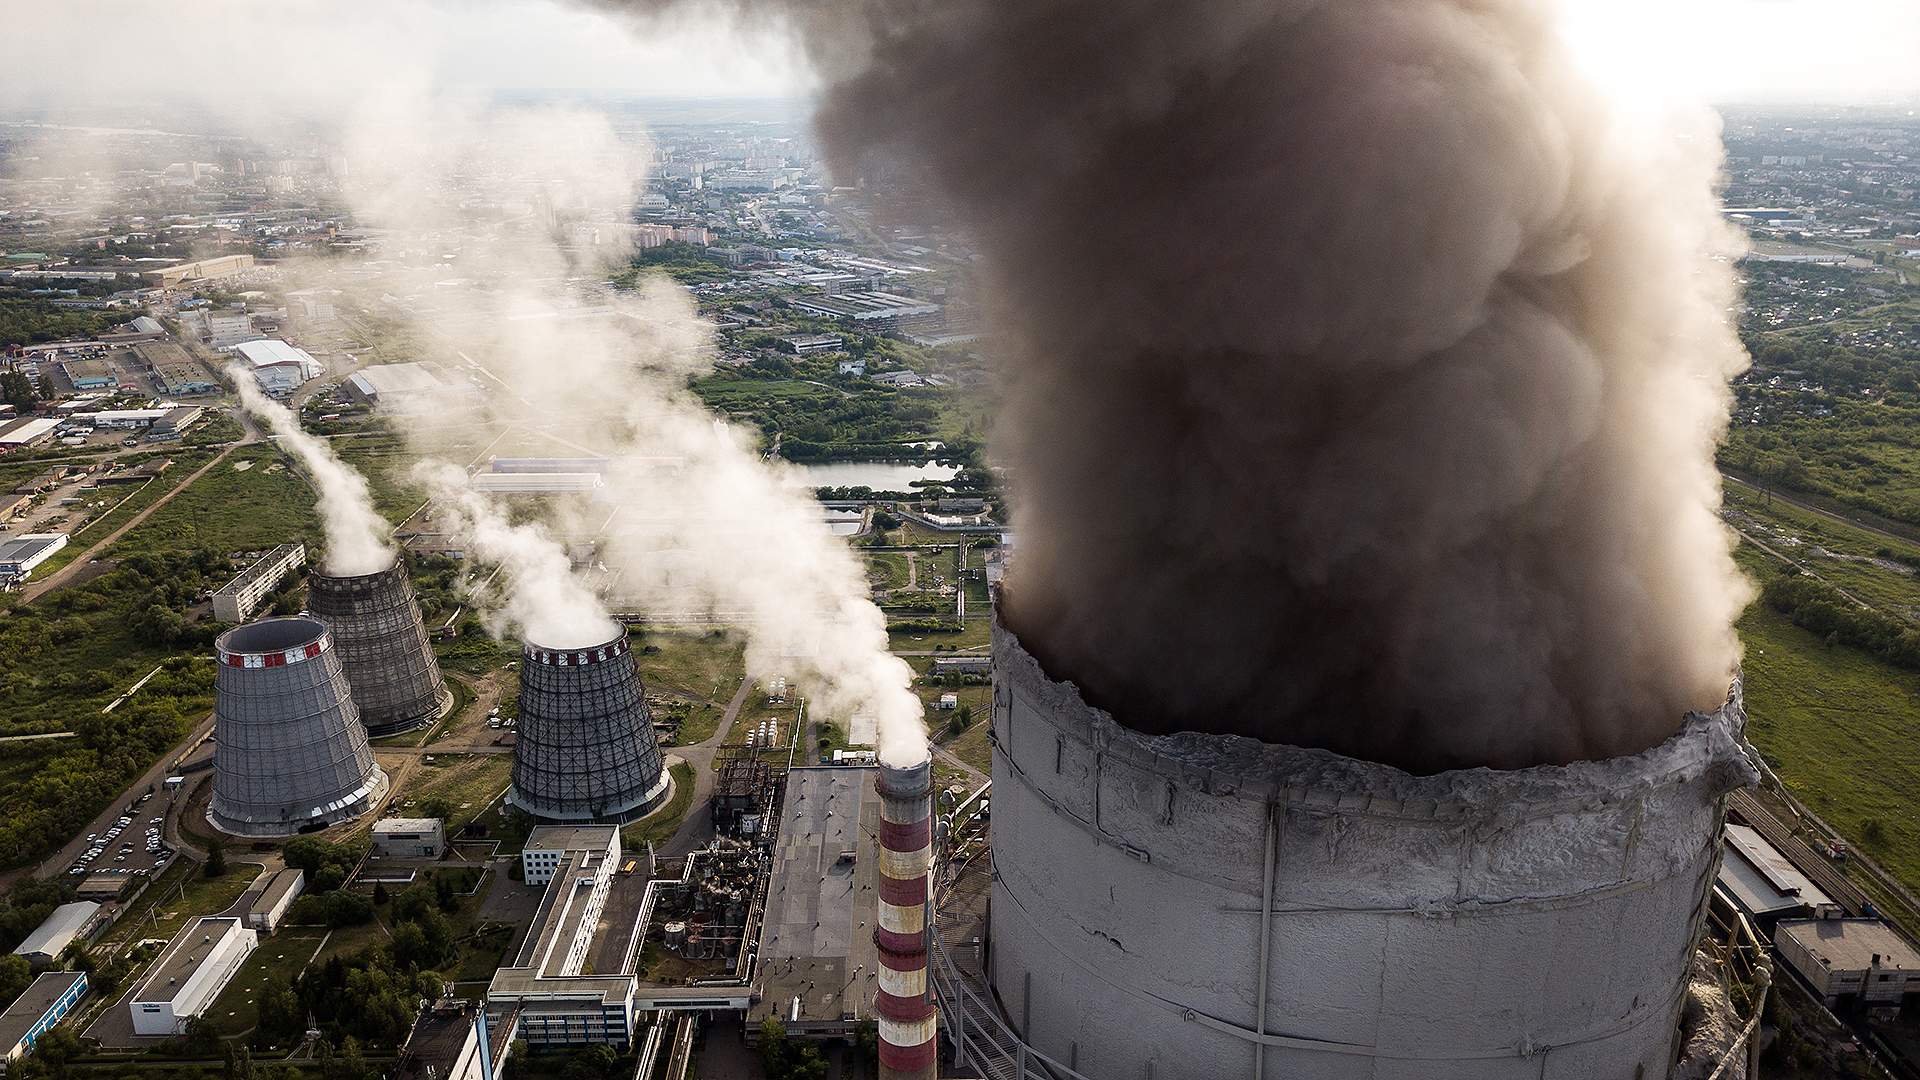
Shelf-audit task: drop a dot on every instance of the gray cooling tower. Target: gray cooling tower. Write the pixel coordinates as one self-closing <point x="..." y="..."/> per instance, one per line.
<point x="585" y="750"/>
<point x="383" y="647"/>
<point x="290" y="754"/>
<point x="1199" y="906"/>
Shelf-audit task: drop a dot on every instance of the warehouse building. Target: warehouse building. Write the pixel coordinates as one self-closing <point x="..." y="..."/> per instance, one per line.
<point x="236" y="600"/>
<point x="282" y="890"/>
<point x="173" y="370"/>
<point x="868" y="308"/>
<point x="68" y="923"/>
<point x="499" y="483"/>
<point x="409" y="838"/>
<point x="200" y="270"/>
<point x="26" y="432"/>
<point x="49" y="997"/>
<point x="396" y="385"/>
<point x="1765" y="885"/>
<point x="89" y="374"/>
<point x="280" y="368"/>
<point x="1864" y="960"/>
<point x="202" y="958"/>
<point x="20" y="555"/>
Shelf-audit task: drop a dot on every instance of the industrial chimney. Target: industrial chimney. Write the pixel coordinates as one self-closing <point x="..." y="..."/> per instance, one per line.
<point x="585" y="750"/>
<point x="290" y="753"/>
<point x="1214" y="906"/>
<point x="903" y="1003"/>
<point x="383" y="646"/>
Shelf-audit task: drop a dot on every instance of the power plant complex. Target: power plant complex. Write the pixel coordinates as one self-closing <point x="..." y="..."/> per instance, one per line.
<point x="291" y="754"/>
<point x="382" y="642"/>
<point x="586" y="750"/>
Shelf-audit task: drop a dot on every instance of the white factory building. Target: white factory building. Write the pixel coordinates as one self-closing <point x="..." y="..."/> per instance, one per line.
<point x="20" y="555"/>
<point x="283" y="888"/>
<point x="281" y="368"/>
<point x="559" y="1003"/>
<point x="197" y="965"/>
<point x="236" y="600"/>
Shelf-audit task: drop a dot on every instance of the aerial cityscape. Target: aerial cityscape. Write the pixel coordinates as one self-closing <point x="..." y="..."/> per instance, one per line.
<point x="924" y="538"/>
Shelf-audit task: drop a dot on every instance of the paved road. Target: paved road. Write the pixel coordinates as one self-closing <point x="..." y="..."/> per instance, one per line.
<point x="60" y="577"/>
<point x="697" y="829"/>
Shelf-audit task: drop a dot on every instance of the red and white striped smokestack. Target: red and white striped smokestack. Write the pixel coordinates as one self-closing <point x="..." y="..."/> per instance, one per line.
<point x="904" y="1001"/>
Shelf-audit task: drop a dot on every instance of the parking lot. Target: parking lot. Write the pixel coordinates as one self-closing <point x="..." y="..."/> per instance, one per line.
<point x="131" y="844"/>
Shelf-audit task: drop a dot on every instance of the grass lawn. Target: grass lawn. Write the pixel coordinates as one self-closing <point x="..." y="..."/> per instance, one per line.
<point x="170" y="907"/>
<point x="699" y="667"/>
<point x="1838" y="726"/>
<point x="977" y="634"/>
<point x="1878" y="570"/>
<point x="280" y="957"/>
<point x="481" y="951"/>
<point x="887" y="569"/>
<point x="468" y="782"/>
<point x="249" y="501"/>
<point x="662" y="823"/>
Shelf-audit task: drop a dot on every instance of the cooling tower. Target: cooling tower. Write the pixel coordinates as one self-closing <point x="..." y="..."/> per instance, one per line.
<point x="383" y="647"/>
<point x="585" y="750"/>
<point x="290" y="753"/>
<point x="1212" y="906"/>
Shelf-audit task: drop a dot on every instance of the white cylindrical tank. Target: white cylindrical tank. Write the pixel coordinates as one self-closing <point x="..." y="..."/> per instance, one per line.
<point x="1471" y="925"/>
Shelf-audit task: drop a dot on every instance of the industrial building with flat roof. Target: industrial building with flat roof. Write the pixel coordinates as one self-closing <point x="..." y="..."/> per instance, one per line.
<point x="199" y="270"/>
<point x="1858" y="958"/>
<point x="47" y="999"/>
<point x="396" y="385"/>
<point x="20" y="555"/>
<point x="532" y="483"/>
<point x="415" y="838"/>
<point x="237" y="599"/>
<point x="818" y="962"/>
<point x="282" y="889"/>
<point x="173" y="369"/>
<point x="558" y="1003"/>
<point x="279" y="367"/>
<point x="202" y="958"/>
<point x="27" y="431"/>
<point x="866" y="307"/>
<point x="1765" y="885"/>
<point x="68" y="923"/>
<point x="89" y="374"/>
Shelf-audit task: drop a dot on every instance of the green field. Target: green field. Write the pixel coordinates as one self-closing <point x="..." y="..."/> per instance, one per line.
<point x="1838" y="726"/>
<point x="280" y="956"/>
<point x="468" y="782"/>
<point x="249" y="501"/>
<point x="698" y="667"/>
<point x="1878" y="570"/>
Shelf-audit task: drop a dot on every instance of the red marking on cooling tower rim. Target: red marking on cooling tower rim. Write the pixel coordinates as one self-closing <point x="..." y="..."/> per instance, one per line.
<point x="274" y="660"/>
<point x="907" y="838"/>
<point x="904" y="892"/>
<point x="908" y="1059"/>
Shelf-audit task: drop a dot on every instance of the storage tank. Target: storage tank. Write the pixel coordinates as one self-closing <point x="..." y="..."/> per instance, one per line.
<point x="1212" y="906"/>
<point x="290" y="752"/>
<point x="382" y="643"/>
<point x="586" y="750"/>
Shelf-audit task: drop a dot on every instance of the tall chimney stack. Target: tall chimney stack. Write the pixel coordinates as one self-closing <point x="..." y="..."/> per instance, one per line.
<point x="904" y="1001"/>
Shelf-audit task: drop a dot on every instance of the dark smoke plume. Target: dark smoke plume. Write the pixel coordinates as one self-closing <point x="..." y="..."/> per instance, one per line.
<point x="1363" y="363"/>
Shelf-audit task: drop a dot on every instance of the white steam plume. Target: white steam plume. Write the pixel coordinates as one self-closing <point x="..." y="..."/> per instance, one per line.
<point x="545" y="603"/>
<point x="357" y="536"/>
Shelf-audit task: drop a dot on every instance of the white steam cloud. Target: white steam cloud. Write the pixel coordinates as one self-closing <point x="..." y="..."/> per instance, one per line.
<point x="357" y="536"/>
<point x="545" y="603"/>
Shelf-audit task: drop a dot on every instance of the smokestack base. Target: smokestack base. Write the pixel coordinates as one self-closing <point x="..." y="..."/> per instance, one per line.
<point x="1448" y="924"/>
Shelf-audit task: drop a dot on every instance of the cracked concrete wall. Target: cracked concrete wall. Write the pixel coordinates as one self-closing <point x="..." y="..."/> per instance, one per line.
<point x="1473" y="925"/>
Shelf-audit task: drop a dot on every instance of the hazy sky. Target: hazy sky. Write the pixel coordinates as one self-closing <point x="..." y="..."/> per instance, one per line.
<point x="1725" y="50"/>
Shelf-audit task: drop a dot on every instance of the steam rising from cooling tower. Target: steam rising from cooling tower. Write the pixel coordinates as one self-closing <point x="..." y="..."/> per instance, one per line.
<point x="545" y="602"/>
<point x="1363" y="365"/>
<point x="357" y="536"/>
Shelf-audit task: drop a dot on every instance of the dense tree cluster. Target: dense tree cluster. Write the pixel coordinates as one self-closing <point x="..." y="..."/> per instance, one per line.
<point x="32" y="322"/>
<point x="1816" y="606"/>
